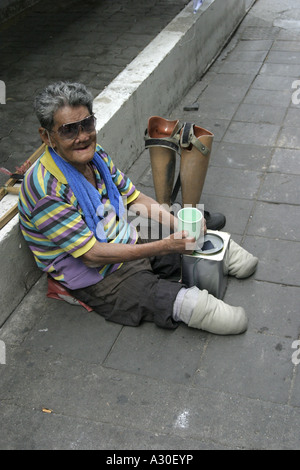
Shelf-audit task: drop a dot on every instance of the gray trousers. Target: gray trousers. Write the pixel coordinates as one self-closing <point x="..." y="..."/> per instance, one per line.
<point x="138" y="291"/>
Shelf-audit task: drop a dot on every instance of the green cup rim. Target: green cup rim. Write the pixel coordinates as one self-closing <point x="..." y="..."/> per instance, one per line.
<point x="190" y="209"/>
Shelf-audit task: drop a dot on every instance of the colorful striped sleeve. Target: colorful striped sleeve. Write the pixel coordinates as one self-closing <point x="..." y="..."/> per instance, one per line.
<point x="62" y="224"/>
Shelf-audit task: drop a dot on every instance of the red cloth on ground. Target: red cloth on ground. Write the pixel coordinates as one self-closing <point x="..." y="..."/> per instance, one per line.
<point x="57" y="291"/>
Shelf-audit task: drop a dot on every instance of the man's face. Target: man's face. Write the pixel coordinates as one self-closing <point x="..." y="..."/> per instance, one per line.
<point x="79" y="149"/>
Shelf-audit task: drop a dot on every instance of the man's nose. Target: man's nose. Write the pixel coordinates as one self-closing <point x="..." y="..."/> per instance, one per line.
<point x="82" y="133"/>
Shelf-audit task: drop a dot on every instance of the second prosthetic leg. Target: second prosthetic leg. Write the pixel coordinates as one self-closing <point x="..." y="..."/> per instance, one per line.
<point x="196" y="143"/>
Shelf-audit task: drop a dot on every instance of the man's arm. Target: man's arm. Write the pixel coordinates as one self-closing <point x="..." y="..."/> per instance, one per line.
<point x="112" y="253"/>
<point x="149" y="208"/>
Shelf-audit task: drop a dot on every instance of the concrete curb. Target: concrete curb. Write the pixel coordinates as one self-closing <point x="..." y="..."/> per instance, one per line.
<point x="159" y="76"/>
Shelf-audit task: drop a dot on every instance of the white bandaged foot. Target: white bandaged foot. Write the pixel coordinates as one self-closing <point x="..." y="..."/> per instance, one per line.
<point x="213" y="315"/>
<point x="240" y="263"/>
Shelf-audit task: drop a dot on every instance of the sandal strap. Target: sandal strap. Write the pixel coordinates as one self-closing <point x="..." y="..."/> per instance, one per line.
<point x="187" y="138"/>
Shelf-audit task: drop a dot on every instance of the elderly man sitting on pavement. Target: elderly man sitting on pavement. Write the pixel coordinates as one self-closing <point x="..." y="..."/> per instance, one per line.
<point x="72" y="214"/>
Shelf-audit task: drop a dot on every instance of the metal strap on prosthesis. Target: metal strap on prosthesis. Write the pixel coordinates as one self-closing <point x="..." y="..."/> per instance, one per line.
<point x="187" y="137"/>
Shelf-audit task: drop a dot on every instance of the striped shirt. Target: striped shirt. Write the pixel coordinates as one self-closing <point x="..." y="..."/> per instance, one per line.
<point x="53" y="224"/>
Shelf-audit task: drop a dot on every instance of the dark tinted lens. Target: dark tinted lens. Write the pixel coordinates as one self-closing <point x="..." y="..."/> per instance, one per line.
<point x="70" y="131"/>
<point x="88" y="124"/>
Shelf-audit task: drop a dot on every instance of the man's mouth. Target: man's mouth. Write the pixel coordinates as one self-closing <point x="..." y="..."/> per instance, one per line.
<point x="83" y="148"/>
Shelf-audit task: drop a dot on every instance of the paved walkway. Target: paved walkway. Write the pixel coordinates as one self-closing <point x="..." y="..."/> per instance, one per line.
<point x="119" y="388"/>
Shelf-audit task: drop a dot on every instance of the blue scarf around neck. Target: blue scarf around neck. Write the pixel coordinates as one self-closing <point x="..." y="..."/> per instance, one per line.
<point x="88" y="196"/>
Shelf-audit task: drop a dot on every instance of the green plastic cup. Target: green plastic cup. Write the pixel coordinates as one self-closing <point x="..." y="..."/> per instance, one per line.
<point x="191" y="220"/>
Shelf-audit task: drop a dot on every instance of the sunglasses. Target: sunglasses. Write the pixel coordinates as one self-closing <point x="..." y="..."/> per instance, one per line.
<point x="71" y="130"/>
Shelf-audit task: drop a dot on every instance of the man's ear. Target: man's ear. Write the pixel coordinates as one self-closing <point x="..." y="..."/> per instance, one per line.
<point x="44" y="134"/>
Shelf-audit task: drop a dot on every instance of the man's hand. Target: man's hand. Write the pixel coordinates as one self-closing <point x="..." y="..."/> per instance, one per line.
<point x="180" y="242"/>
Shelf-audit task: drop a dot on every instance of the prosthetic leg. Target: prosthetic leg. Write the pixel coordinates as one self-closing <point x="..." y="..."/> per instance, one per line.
<point x="196" y="144"/>
<point x="162" y="139"/>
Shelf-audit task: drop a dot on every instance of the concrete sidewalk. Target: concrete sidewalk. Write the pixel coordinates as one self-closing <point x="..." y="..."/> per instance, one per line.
<point x="117" y="388"/>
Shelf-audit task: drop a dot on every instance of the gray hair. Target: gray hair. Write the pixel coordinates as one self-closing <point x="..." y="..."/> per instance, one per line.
<point x="56" y="96"/>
